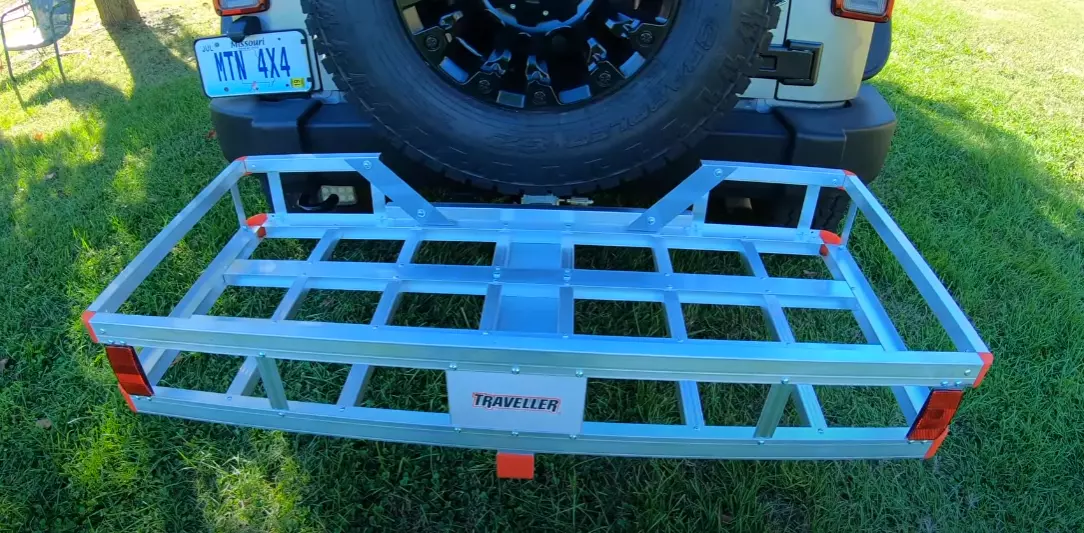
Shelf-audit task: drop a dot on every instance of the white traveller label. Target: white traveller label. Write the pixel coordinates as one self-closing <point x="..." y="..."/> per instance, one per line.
<point x="511" y="402"/>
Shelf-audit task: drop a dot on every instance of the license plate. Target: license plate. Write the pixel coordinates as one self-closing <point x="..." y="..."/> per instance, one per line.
<point x="265" y="63"/>
<point x="510" y="402"/>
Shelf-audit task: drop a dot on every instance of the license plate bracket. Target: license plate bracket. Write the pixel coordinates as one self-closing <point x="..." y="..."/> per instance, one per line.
<point x="265" y="63"/>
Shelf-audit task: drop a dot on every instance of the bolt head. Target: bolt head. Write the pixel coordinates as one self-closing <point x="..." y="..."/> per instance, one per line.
<point x="545" y="13"/>
<point x="967" y="372"/>
<point x="573" y="437"/>
<point x="512" y="6"/>
<point x="785" y="381"/>
<point x="367" y="165"/>
<point x="760" y="442"/>
<point x="485" y="87"/>
<point x="458" y="430"/>
<point x="432" y="43"/>
<point x="718" y="173"/>
<point x="453" y="366"/>
<point x="605" y="79"/>
<point x="515" y="370"/>
<point x="944" y="384"/>
<point x="515" y="433"/>
<point x="579" y="373"/>
<point x="263" y="354"/>
<point x="651" y="221"/>
<point x="539" y="97"/>
<point x="421" y="213"/>
<point x="646" y="38"/>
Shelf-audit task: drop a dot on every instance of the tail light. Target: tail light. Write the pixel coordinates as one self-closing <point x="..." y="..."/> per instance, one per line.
<point x="868" y="10"/>
<point x="240" y="7"/>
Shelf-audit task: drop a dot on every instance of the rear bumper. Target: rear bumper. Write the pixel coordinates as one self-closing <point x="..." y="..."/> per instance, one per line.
<point x="855" y="137"/>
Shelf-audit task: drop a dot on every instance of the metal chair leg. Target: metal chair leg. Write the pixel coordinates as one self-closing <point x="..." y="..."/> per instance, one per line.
<point x="59" y="63"/>
<point x="7" y="61"/>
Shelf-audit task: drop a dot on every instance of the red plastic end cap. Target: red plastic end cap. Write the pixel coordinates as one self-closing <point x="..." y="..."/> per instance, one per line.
<point x="127" y="399"/>
<point x="87" y="315"/>
<point x="987" y="361"/>
<point x="936" y="445"/>
<point x="242" y="161"/>
<point x="849" y="173"/>
<point x="257" y="222"/>
<point x="829" y="238"/>
<point x="515" y="465"/>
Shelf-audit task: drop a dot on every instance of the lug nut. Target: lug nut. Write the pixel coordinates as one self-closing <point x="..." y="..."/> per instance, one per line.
<point x="432" y="43"/>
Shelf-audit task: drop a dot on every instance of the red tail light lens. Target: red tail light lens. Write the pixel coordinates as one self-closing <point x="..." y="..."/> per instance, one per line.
<point x="240" y="7"/>
<point x="868" y="10"/>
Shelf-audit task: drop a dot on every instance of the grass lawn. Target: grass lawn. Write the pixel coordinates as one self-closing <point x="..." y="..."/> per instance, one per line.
<point x="986" y="176"/>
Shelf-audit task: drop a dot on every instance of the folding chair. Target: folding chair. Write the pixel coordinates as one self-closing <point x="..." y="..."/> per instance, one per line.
<point x="51" y="21"/>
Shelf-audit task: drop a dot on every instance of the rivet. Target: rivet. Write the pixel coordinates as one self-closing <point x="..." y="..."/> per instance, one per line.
<point x="515" y="433"/>
<point x="228" y="398"/>
<point x="513" y="6"/>
<point x="281" y="413"/>
<point x="421" y="213"/>
<point x="573" y="437"/>
<point x="103" y="331"/>
<point x="785" y="381"/>
<point x="718" y="173"/>
<point x="453" y="366"/>
<point x="696" y="428"/>
<point x="651" y="221"/>
<point x="545" y="13"/>
<point x="967" y="372"/>
<point x="341" y="409"/>
<point x="515" y="370"/>
<point x="760" y="441"/>
<point x="458" y="430"/>
<point x="367" y="165"/>
<point x="944" y="384"/>
<point x="579" y="373"/>
<point x="958" y="383"/>
<point x="820" y="430"/>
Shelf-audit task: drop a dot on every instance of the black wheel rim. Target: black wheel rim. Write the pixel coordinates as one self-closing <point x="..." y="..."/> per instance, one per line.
<point x="535" y="54"/>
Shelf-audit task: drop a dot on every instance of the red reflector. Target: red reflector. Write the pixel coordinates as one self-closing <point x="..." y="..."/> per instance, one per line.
<point x="129" y="372"/>
<point x="933" y="420"/>
<point x="227" y="8"/>
<point x="515" y="465"/>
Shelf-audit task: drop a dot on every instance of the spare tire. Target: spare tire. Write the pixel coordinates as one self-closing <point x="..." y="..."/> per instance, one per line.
<point x="561" y="96"/>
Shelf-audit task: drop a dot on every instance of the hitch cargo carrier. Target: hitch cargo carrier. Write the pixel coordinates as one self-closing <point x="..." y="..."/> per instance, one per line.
<point x="518" y="382"/>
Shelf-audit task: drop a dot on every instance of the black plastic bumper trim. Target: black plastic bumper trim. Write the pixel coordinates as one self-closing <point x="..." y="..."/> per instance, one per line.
<point x="855" y="136"/>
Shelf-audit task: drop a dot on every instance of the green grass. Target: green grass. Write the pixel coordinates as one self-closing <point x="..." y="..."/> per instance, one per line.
<point x="985" y="176"/>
